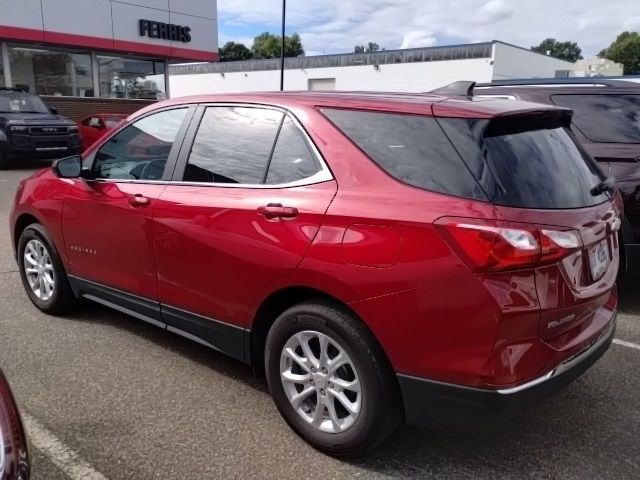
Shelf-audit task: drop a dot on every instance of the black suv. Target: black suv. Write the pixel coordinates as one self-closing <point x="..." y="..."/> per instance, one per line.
<point x="606" y="121"/>
<point x="29" y="128"/>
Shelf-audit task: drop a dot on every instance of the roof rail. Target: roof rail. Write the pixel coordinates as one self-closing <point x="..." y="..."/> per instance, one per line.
<point x="587" y="81"/>
<point x="463" y="88"/>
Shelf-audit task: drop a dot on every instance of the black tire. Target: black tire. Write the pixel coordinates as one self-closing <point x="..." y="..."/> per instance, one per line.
<point x="381" y="409"/>
<point x="62" y="298"/>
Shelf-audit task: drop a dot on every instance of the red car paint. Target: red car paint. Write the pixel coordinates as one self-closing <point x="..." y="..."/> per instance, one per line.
<point x="363" y="238"/>
<point x="94" y="127"/>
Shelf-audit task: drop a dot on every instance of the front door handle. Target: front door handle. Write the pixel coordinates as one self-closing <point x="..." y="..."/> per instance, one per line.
<point x="139" y="200"/>
<point x="276" y="210"/>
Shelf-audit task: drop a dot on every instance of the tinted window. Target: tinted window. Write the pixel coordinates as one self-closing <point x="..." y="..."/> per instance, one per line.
<point x="412" y="148"/>
<point x="141" y="150"/>
<point x="233" y="145"/>
<point x="292" y="158"/>
<point x="605" y="118"/>
<point x="527" y="163"/>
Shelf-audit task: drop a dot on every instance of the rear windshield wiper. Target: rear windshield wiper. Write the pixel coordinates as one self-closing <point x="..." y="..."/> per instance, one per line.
<point x="605" y="185"/>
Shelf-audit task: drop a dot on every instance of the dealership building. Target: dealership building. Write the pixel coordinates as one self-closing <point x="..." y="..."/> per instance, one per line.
<point x="409" y="70"/>
<point x="102" y="55"/>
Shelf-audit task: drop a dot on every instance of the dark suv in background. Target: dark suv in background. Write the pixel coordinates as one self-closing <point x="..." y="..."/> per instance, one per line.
<point x="28" y="128"/>
<point x="606" y="121"/>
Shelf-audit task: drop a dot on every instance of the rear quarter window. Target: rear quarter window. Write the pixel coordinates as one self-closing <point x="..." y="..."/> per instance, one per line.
<point x="411" y="148"/>
<point x="527" y="162"/>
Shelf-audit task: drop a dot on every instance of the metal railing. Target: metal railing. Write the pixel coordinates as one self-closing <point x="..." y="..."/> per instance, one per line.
<point x="429" y="54"/>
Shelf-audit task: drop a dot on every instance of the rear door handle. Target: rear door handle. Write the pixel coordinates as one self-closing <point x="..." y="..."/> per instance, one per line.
<point x="276" y="210"/>
<point x="139" y="200"/>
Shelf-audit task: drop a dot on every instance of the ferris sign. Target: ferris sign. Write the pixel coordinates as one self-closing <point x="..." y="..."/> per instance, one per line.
<point x="165" y="31"/>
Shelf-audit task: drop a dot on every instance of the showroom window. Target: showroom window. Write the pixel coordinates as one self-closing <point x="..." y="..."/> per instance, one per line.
<point x="51" y="72"/>
<point x="2" y="81"/>
<point x="131" y="78"/>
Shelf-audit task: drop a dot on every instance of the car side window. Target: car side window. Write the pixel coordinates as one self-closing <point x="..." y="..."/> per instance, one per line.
<point x="140" y="151"/>
<point x="233" y="145"/>
<point x="292" y="159"/>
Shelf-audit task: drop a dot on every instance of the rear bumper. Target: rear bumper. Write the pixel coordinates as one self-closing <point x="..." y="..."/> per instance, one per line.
<point x="453" y="407"/>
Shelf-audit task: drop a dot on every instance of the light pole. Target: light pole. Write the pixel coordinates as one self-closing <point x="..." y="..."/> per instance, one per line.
<point x="284" y="9"/>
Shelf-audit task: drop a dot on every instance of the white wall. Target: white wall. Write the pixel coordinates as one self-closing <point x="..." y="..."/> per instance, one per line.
<point x="111" y="20"/>
<point x="408" y="77"/>
<point x="512" y="62"/>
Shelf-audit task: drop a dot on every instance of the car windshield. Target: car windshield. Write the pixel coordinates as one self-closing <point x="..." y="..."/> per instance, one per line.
<point x="14" y="102"/>
<point x="605" y="118"/>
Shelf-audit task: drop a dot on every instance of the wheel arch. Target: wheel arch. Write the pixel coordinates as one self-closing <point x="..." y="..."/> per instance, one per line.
<point x="279" y="301"/>
<point x="21" y="223"/>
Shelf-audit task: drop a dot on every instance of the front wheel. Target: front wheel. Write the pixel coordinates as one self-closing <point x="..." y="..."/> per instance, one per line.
<point x="42" y="272"/>
<point x="330" y="379"/>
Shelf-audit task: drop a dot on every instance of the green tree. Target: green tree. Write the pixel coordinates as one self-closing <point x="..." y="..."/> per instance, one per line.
<point x="625" y="50"/>
<point x="564" y="50"/>
<point x="371" y="47"/>
<point x="267" y="45"/>
<point x="232" y="51"/>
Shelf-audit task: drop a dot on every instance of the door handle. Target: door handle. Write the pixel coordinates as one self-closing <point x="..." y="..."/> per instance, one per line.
<point x="276" y="210"/>
<point x="139" y="200"/>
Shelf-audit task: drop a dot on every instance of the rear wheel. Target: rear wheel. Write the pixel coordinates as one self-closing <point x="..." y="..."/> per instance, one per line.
<point x="330" y="379"/>
<point x="42" y="272"/>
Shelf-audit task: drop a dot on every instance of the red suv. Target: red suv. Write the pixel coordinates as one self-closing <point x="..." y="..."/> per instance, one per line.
<point x="379" y="257"/>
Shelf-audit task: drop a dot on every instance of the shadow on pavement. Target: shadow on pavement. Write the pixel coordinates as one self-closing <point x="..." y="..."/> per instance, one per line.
<point x="91" y="312"/>
<point x="555" y="439"/>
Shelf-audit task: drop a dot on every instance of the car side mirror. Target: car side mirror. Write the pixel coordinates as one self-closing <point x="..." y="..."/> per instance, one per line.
<point x="69" y="167"/>
<point x="53" y="110"/>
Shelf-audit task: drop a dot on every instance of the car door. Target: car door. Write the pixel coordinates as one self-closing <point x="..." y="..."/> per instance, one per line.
<point x="249" y="193"/>
<point x="106" y="219"/>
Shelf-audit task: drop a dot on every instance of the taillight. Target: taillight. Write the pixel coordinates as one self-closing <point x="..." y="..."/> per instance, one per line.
<point x="14" y="459"/>
<point x="493" y="245"/>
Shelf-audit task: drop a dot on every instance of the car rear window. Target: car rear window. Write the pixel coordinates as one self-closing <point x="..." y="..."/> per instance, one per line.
<point x="527" y="162"/>
<point x="411" y="148"/>
<point x="605" y="118"/>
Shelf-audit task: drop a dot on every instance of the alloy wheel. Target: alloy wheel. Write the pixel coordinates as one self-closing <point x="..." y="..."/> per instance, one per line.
<point x="321" y="381"/>
<point x="38" y="269"/>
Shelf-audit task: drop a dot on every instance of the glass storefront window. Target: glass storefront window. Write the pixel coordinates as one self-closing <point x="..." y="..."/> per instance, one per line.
<point x="2" y="81"/>
<point x="131" y="78"/>
<point x="51" y="72"/>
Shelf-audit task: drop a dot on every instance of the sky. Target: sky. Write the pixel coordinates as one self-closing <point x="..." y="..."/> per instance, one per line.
<point x="336" y="26"/>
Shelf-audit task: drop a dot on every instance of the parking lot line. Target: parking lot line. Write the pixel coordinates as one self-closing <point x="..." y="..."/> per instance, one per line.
<point x="626" y="344"/>
<point x="62" y="456"/>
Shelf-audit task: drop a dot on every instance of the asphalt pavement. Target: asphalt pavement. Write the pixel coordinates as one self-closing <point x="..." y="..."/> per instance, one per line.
<point x="107" y="396"/>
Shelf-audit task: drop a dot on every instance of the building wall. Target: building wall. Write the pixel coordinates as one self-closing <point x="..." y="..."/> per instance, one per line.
<point x="408" y="77"/>
<point x="598" y="67"/>
<point x="78" y="108"/>
<point x="112" y="25"/>
<point x="514" y="62"/>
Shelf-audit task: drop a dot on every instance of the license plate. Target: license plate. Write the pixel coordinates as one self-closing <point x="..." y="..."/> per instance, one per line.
<point x="599" y="259"/>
